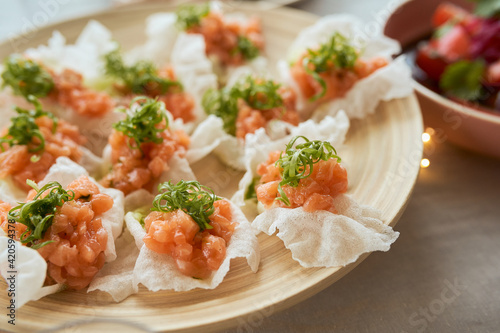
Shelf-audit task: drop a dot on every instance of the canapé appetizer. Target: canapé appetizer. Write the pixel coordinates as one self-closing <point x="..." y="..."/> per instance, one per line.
<point x="63" y="233"/>
<point x="302" y="193"/>
<point x="34" y="140"/>
<point x="141" y="146"/>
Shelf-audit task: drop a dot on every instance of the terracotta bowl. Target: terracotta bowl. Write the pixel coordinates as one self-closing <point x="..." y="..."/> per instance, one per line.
<point x="477" y="130"/>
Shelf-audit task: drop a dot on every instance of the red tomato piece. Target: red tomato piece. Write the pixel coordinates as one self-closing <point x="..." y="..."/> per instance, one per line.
<point x="455" y="44"/>
<point x="447" y="11"/>
<point x="493" y="74"/>
<point x="429" y="61"/>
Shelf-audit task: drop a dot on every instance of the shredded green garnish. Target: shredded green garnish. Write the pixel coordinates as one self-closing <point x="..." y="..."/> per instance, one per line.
<point x="140" y="215"/>
<point x="257" y="93"/>
<point x="463" y="79"/>
<point x="26" y="77"/>
<point x="189" y="16"/>
<point x="222" y="104"/>
<point x="487" y="8"/>
<point x="250" y="192"/>
<point x="297" y="163"/>
<point x="247" y="49"/>
<point x="144" y="120"/>
<point x="445" y="28"/>
<point x="23" y="128"/>
<point x="337" y="53"/>
<point x="38" y="214"/>
<point x="194" y="199"/>
<point x="141" y="78"/>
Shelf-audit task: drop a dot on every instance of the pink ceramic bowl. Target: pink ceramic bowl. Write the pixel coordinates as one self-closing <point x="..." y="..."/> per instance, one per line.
<point x="477" y="130"/>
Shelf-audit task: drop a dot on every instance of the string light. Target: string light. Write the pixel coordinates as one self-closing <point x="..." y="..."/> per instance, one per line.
<point x="427" y="137"/>
<point x="430" y="130"/>
<point x="424" y="163"/>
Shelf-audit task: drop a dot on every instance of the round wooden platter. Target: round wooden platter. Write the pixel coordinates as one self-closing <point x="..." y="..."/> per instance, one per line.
<point x="382" y="153"/>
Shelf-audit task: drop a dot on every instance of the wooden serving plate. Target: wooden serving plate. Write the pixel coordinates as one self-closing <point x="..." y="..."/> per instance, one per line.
<point x="382" y="154"/>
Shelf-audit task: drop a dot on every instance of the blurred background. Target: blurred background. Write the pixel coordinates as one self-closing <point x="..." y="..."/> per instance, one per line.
<point x="22" y="16"/>
<point x="450" y="230"/>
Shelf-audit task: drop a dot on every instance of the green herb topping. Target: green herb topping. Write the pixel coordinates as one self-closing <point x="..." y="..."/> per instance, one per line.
<point x="297" y="162"/>
<point x="189" y="16"/>
<point x="337" y="53"/>
<point x="194" y="199"/>
<point x="247" y="49"/>
<point x="487" y="8"/>
<point x="26" y="77"/>
<point x="38" y="214"/>
<point x="445" y="28"/>
<point x="257" y="93"/>
<point x="23" y="128"/>
<point x="250" y="193"/>
<point x="223" y="104"/>
<point x="141" y="78"/>
<point x="140" y="215"/>
<point x="463" y="79"/>
<point x="144" y="121"/>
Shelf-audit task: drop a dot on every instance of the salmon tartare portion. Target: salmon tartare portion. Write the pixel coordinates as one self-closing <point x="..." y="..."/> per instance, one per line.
<point x="69" y="91"/>
<point x="32" y="144"/>
<point x="251" y="104"/>
<point x="321" y="180"/>
<point x="138" y="162"/>
<point x="192" y="225"/>
<point x="331" y="70"/>
<point x="196" y="253"/>
<point x="27" y="78"/>
<point x="74" y="242"/>
<point x="144" y="79"/>
<point x="230" y="41"/>
<point x="250" y="119"/>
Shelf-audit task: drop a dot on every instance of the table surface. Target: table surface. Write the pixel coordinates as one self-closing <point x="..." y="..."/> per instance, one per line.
<point x="441" y="275"/>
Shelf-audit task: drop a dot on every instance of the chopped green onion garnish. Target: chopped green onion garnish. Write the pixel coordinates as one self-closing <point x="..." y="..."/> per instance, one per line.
<point x="189" y="196"/>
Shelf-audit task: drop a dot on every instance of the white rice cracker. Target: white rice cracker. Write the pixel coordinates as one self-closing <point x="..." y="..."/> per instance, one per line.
<point x="324" y="239"/>
<point x="31" y="268"/>
<point x="86" y="56"/>
<point x="158" y="271"/>
<point x="390" y="82"/>
<point x="116" y="278"/>
<point x="161" y="35"/>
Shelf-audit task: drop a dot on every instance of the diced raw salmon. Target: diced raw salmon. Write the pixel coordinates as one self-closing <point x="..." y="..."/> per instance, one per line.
<point x="316" y="192"/>
<point x="18" y="162"/>
<point x="79" y="238"/>
<point x="70" y="92"/>
<point x="338" y="81"/>
<point x="196" y="253"/>
<point x="133" y="168"/>
<point x="249" y="120"/>
<point x="221" y="37"/>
